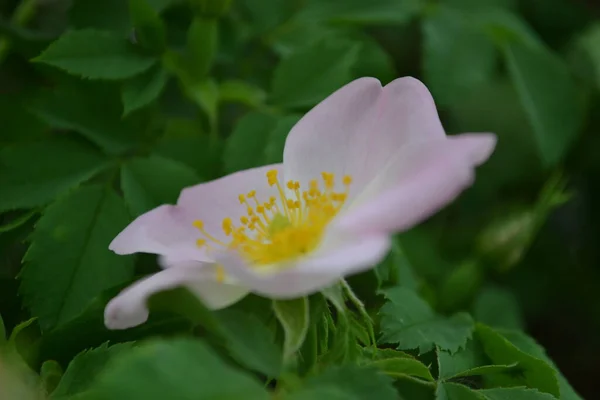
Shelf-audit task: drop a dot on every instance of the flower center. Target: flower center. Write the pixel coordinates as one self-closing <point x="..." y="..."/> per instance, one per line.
<point x="283" y="227"/>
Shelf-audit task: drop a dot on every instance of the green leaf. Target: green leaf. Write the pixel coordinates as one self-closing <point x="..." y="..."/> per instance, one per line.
<point x="529" y="346"/>
<point x="152" y="181"/>
<point x="50" y="373"/>
<point x="202" y="43"/>
<point x="236" y="91"/>
<point x="273" y="152"/>
<point x="143" y="89"/>
<point x="2" y="332"/>
<point x="455" y="391"/>
<point x="589" y="44"/>
<point x="33" y="174"/>
<point x="84" y="369"/>
<point x="409" y="321"/>
<point x="498" y="308"/>
<point x="293" y="315"/>
<point x="18" y="221"/>
<point x="456" y="56"/>
<point x="397" y="364"/>
<point x="460" y="285"/>
<point x="360" y="12"/>
<point x="110" y="56"/>
<point x="178" y="369"/>
<point x="549" y="95"/>
<point x="250" y="342"/>
<point x="150" y="30"/>
<point x="68" y="262"/>
<point x="311" y="74"/>
<point x="246" y="145"/>
<point x="470" y="361"/>
<point x="349" y="382"/>
<point x="536" y="372"/>
<point x="91" y="109"/>
<point x="517" y="393"/>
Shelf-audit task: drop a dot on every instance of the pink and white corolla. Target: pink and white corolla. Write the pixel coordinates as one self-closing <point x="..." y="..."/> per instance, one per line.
<point x="367" y="162"/>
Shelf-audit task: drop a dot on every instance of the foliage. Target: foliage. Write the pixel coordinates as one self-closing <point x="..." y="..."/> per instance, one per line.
<point x="109" y="108"/>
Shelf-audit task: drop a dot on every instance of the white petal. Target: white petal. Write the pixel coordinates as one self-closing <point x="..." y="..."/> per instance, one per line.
<point x="129" y="308"/>
<point x="309" y="274"/>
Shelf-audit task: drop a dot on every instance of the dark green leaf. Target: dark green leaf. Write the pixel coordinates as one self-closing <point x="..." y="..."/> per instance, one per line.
<point x="276" y="142"/>
<point x="33" y="174"/>
<point x="85" y="368"/>
<point x="178" y="369"/>
<point x="536" y="372"/>
<point x="143" y="89"/>
<point x="350" y="382"/>
<point x="360" y="12"/>
<point x="150" y="182"/>
<point x="50" y="373"/>
<point x="397" y="367"/>
<point x="549" y="95"/>
<point x="93" y="110"/>
<point x="150" y="31"/>
<point x="455" y="391"/>
<point x="311" y="74"/>
<point x="246" y="146"/>
<point x="517" y="393"/>
<point x="250" y="342"/>
<point x="95" y="54"/>
<point x="2" y="332"/>
<point x="460" y="285"/>
<point x="409" y="322"/>
<point x="293" y="315"/>
<point x="110" y="15"/>
<point x="202" y="45"/>
<point x="68" y="262"/>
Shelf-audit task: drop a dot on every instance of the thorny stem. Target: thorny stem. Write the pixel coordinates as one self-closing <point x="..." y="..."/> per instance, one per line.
<point x="361" y="309"/>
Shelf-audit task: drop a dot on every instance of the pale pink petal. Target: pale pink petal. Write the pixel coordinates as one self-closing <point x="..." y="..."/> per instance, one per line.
<point x="169" y="230"/>
<point x="310" y="274"/>
<point x="359" y="128"/>
<point x="129" y="308"/>
<point x="424" y="178"/>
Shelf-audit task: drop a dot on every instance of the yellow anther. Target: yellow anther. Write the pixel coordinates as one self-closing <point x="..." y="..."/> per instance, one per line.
<point x="272" y="177"/>
<point x="244" y="220"/>
<point x="260" y="209"/>
<point x="290" y="203"/>
<point x="250" y="211"/>
<point x="252" y="194"/>
<point x="347" y="180"/>
<point x="200" y="242"/>
<point x="272" y="200"/>
<point x="242" y="198"/>
<point x="314" y="185"/>
<point x="227" y="226"/>
<point x="290" y="185"/>
<point x="198" y="224"/>
<point x="328" y="178"/>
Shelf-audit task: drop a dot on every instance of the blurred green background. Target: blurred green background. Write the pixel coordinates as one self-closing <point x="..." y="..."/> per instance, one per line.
<point x="519" y="249"/>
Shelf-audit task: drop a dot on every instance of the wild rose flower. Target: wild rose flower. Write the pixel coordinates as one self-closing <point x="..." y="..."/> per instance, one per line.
<point x="365" y="163"/>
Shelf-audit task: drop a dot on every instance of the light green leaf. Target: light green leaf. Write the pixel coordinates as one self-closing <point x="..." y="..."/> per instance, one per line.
<point x="351" y="382"/>
<point x="34" y="173"/>
<point x="84" y="369"/>
<point x="309" y="75"/>
<point x="409" y="322"/>
<point x="178" y="369"/>
<point x="293" y="315"/>
<point x="516" y="393"/>
<point x="402" y="366"/>
<point x="236" y="91"/>
<point x="250" y="342"/>
<point x="470" y="361"/>
<point x="322" y="393"/>
<point x="95" y="54"/>
<point x="498" y="308"/>
<point x="143" y="89"/>
<point x="456" y="56"/>
<point x="68" y="262"/>
<point x="549" y="95"/>
<point x="360" y="12"/>
<point x="91" y="109"/>
<point x="50" y="373"/>
<point x="530" y="346"/>
<point x="152" y="181"/>
<point x="536" y="372"/>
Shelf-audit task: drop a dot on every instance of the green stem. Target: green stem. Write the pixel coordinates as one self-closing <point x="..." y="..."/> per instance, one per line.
<point x="361" y="309"/>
